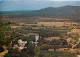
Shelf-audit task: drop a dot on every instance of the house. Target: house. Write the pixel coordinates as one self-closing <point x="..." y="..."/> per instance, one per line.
<point x="21" y="43"/>
<point x="36" y="39"/>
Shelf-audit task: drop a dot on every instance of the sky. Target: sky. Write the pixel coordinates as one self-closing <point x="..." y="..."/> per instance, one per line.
<point x="11" y="5"/>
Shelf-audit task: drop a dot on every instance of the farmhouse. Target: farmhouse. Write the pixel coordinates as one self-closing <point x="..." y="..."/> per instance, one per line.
<point x="36" y="39"/>
<point x="21" y="43"/>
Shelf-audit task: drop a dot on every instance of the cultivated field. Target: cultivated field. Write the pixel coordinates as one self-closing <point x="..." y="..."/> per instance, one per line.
<point x="54" y="24"/>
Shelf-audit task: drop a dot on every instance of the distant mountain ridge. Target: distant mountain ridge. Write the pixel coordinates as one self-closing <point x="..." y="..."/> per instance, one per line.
<point x="48" y="9"/>
<point x="60" y="10"/>
<point x="68" y="11"/>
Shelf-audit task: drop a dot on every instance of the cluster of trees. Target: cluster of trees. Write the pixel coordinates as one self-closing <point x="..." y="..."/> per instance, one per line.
<point x="2" y="37"/>
<point x="42" y="32"/>
<point x="26" y="52"/>
<point x="54" y="44"/>
<point x="6" y="37"/>
<point x="30" y="38"/>
<point x="12" y="53"/>
<point x="33" y="51"/>
<point x="56" y="54"/>
<point x="46" y="33"/>
<point x="15" y="37"/>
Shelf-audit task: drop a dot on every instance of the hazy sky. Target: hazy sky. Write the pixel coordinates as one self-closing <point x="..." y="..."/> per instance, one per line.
<point x="39" y="0"/>
<point x="10" y="5"/>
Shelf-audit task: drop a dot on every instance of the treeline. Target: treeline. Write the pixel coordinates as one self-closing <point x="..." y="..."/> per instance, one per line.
<point x="49" y="34"/>
<point x="54" y="44"/>
<point x="33" y="51"/>
<point x="29" y="52"/>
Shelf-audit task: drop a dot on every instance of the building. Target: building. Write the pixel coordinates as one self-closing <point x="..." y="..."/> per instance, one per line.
<point x="36" y="37"/>
<point x="21" y="43"/>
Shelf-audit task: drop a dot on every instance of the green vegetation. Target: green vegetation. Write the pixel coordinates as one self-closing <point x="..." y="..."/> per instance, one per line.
<point x="43" y="33"/>
<point x="31" y="23"/>
<point x="1" y="49"/>
<point x="12" y="36"/>
<point x="54" y="44"/>
<point x="56" y="54"/>
<point x="30" y="38"/>
<point x="13" y="53"/>
<point x="33" y="51"/>
<point x="29" y="52"/>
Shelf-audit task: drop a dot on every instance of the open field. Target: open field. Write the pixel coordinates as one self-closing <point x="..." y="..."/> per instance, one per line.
<point x="54" y="24"/>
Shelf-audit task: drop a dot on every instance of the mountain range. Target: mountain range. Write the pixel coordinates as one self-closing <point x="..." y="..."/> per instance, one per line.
<point x="71" y="12"/>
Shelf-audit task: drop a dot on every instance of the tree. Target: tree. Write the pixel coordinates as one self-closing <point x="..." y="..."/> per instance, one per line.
<point x="30" y="38"/>
<point x="30" y="50"/>
<point x="13" y="53"/>
<point x="37" y="51"/>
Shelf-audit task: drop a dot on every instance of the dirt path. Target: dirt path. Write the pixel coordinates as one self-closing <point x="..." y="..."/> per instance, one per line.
<point x="4" y="52"/>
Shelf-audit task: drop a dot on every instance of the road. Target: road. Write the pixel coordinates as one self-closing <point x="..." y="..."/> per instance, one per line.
<point x="4" y="52"/>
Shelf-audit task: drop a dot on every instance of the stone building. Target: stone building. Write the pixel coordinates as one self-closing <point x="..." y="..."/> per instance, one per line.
<point x="21" y="43"/>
